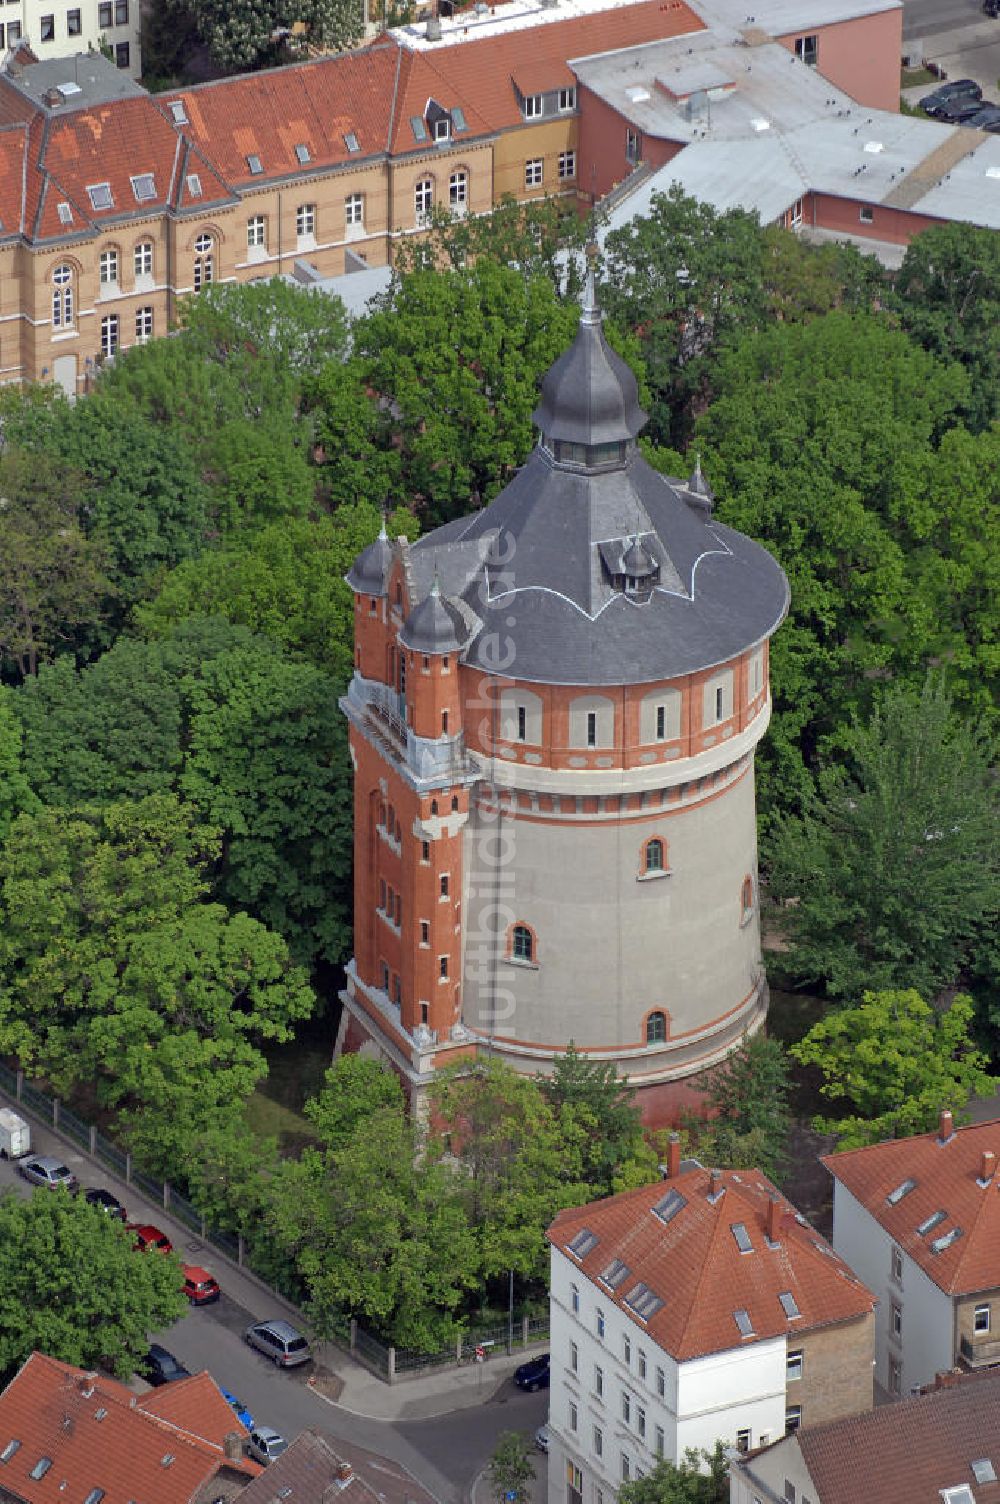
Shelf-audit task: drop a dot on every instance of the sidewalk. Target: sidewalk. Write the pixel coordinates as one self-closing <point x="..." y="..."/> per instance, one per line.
<point x="360" y="1392"/>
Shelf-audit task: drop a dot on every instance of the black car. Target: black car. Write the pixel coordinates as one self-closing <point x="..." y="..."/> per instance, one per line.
<point x="991" y="7"/>
<point x="161" y="1367"/>
<point x="959" y="88"/>
<point x="534" y="1374"/>
<point x="962" y="110"/>
<point x="988" y="118"/>
<point x="104" y="1200"/>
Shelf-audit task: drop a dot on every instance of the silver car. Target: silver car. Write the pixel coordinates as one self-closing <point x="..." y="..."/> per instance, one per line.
<point x="279" y="1341"/>
<point x="45" y="1169"/>
<point x="265" y="1444"/>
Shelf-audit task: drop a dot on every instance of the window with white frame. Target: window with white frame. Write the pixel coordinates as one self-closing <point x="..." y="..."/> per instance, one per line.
<point x="572" y="1416"/>
<point x="108" y="269"/>
<point x="533" y="106"/>
<point x="793" y="1417"/>
<point x="63" y="313"/>
<point x="598" y="1381"/>
<point x="743" y="1440"/>
<point x="866" y="214"/>
<point x="567" y="165"/>
<point x="600" y="1324"/>
<point x="795" y="215"/>
<point x="574" y="1298"/>
<point x="598" y="1442"/>
<point x="256" y="232"/>
<point x="626" y="1407"/>
<point x="305" y="220"/>
<point x="109" y="335"/>
<point x="574" y="1356"/>
<point x="981" y="1320"/>
<point x="627" y="1350"/>
<point x="354" y="209"/>
<point x="897" y="1264"/>
<point x="423" y="199"/>
<point x="807" y="48"/>
<point x="533" y="171"/>
<point x="458" y="190"/>
<point x="143" y="325"/>
<point x="204" y="261"/>
<point x="661" y="1383"/>
<point x="631" y="145"/>
<point x="567" y="98"/>
<point x="793" y="1366"/>
<point x="142" y="259"/>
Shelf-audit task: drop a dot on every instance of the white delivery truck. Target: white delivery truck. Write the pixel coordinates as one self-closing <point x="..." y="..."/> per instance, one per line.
<point x="15" y="1135"/>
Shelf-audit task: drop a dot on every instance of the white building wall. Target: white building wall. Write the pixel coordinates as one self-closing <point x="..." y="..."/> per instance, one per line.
<point x="926" y="1344"/>
<point x="122" y="18"/>
<point x="694" y="1404"/>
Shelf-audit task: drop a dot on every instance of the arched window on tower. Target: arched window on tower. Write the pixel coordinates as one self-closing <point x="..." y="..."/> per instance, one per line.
<point x="522" y="943"/>
<point x="746" y="900"/>
<point x="654" y="855"/>
<point x="656" y="1028"/>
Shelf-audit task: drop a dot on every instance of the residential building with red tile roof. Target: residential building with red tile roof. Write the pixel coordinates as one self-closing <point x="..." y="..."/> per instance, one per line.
<point x="315" y="1471"/>
<point x="937" y="1448"/>
<point x="919" y="1220"/>
<point x="66" y="1433"/>
<point x="701" y="1308"/>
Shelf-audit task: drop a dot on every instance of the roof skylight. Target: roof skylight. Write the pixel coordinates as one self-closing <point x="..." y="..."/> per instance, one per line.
<point x="743" y="1322"/>
<point x="418" y="128"/>
<point x="351" y="142"/>
<point x="945" y="1241"/>
<point x="178" y="111"/>
<point x="458" y="120"/>
<point x="903" y="1189"/>
<point x="983" y="1470"/>
<point x="614" y="1274"/>
<point x="583" y="1243"/>
<point x="302" y="154"/>
<point x="100" y="196"/>
<point x="9" y="1450"/>
<point x="789" y="1305"/>
<point x="40" y="1468"/>
<point x="255" y="165"/>
<point x="144" y="187"/>
<point x="643" y="1301"/>
<point x="929" y="1223"/>
<point x="739" y="1232"/>
<point x="669" y="1205"/>
<point x="193" y="184"/>
<point x="65" y="213"/>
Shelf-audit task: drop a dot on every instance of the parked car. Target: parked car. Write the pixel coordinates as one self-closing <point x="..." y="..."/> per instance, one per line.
<point x="240" y="1410"/>
<point x="987" y="118"/>
<point x="104" y="1200"/>
<point x="45" y="1169"/>
<point x="148" y="1237"/>
<point x="542" y="1438"/>
<point x="958" y="88"/>
<point x="161" y="1367"/>
<point x="534" y="1374"/>
<point x="279" y="1341"/>
<point x="960" y="110"/>
<point x="265" y="1444"/>
<point x="199" y="1286"/>
<point x="991" y="7"/>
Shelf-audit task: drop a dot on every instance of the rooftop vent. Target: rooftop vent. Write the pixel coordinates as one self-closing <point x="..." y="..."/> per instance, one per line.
<point x="100" y="1413"/>
<point x="178" y="112"/>
<point x="716" y="1190"/>
<point x="167" y="1459"/>
<point x="345" y="1473"/>
<point x="583" y="1243"/>
<point x="432" y="30"/>
<point x="232" y="1446"/>
<point x="903" y="1189"/>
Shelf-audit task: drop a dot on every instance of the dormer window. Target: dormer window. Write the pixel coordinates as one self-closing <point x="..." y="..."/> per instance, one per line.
<point x="566" y="452"/>
<point x="532" y="106"/>
<point x="439" y="121"/>
<point x="442" y="130"/>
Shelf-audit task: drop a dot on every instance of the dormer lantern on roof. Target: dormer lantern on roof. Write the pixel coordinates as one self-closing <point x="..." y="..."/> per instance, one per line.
<point x="435" y="626"/>
<point x="439" y="121"/>
<point x="369" y="574"/>
<point x="631" y="565"/>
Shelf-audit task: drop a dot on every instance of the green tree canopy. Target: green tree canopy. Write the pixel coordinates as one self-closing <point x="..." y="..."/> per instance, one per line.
<point x="16" y="794"/>
<point x="751" y="1120"/>
<point x="894" y="868"/>
<point x="701" y="1478"/>
<point x="72" y="1286"/>
<point x="614" y="1153"/>
<point x="892" y="1063"/>
<point x="543" y="238"/>
<point x="246" y="34"/>
<point x="512" y="1470"/>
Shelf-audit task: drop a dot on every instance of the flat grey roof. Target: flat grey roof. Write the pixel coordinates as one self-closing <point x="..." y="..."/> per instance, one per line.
<point x="780" y="17"/>
<point x="97" y="80"/>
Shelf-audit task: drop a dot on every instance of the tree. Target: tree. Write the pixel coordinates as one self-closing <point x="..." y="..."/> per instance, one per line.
<point x="245" y="34"/>
<point x="54" y="590"/>
<point x="454" y="364"/>
<point x="372" y="1227"/>
<point x="511" y="1467"/>
<point x="116" y="970"/>
<point x="892" y="869"/>
<point x="701" y="1478"/>
<point x="72" y="1286"/>
<point x="16" y="794"/>
<point x="614" y="1154"/>
<point x="521" y="1161"/>
<point x="892" y="1063"/>
<point x="818" y="444"/>
<point x="947" y="292"/>
<point x="543" y="238"/>
<point x="749" y="1095"/>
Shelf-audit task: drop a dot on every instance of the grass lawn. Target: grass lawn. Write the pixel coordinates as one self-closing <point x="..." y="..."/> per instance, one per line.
<point x="910" y="77"/>
<point x="295" y="1073"/>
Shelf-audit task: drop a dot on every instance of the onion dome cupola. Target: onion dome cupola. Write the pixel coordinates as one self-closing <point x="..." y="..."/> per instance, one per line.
<point x="369" y="574"/>
<point x="435" y="626"/>
<point x="589" y="413"/>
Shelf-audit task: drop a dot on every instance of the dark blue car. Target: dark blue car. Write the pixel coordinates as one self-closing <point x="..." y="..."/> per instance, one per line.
<point x="534" y="1374"/>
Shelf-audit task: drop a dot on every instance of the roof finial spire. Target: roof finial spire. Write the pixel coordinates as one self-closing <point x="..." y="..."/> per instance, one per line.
<point x="383" y="530"/>
<point x="591" y="311"/>
<point x="436" y="583"/>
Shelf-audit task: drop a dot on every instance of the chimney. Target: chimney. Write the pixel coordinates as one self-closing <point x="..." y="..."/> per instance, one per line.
<point x="345" y="1473"/>
<point x="947" y="1378"/>
<point x="775" y="1219"/>
<point x="433" y="28"/>
<point x="947" y="1128"/>
<point x="715" y="1186"/>
<point x="673" y="1156"/>
<point x="232" y="1446"/>
<point x="987" y="1169"/>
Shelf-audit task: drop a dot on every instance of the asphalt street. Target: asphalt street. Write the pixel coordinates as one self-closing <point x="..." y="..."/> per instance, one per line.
<point x="446" y="1453"/>
<point x="929" y="18"/>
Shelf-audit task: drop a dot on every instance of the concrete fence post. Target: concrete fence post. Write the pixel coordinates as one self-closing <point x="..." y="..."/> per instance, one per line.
<point x="204" y="1227"/>
<point x="239" y="1249"/>
<point x="93" y="1141"/>
<point x="524" y="1331"/>
<point x="166" y="1195"/>
<point x="19" y="1088"/>
<point x="354" y="1333"/>
<point x="55" y="1112"/>
<point x="458" y="1348"/>
<point x="128" y="1168"/>
<point x="391" y="1375"/>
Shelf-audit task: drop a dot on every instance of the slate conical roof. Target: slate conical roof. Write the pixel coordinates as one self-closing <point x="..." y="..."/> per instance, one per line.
<point x="637" y="561"/>
<point x="434" y="626"/>
<point x="590" y="395"/>
<point x="370" y="571"/>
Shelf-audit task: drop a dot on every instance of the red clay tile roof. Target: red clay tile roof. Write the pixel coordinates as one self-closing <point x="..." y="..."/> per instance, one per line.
<point x="13" y="148"/>
<point x="97" y="1436"/>
<point x="908" y="1452"/>
<point x="420" y="80"/>
<point x="692" y="1261"/>
<point x="946" y="1178"/>
<point x="195" y="1406"/>
<point x="310" y="1467"/>
<point x="482" y="71"/>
